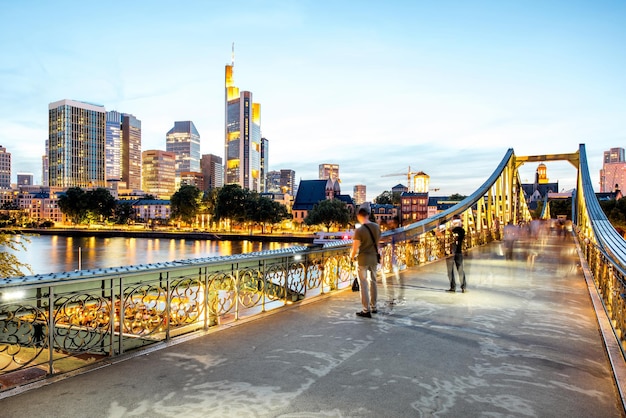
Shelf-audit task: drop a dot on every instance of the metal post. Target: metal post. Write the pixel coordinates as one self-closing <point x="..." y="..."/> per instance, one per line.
<point x="51" y="330"/>
<point x="206" y="299"/>
<point x="168" y="306"/>
<point x="121" y="333"/>
<point x="235" y="267"/>
<point x="112" y="319"/>
<point x="264" y="292"/>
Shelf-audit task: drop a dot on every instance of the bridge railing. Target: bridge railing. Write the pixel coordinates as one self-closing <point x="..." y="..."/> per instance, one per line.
<point x="59" y="322"/>
<point x="604" y="249"/>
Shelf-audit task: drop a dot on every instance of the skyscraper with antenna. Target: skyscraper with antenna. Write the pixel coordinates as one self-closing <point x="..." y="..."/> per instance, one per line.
<point x="242" y="144"/>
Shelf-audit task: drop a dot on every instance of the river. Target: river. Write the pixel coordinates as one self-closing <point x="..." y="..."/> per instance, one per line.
<point x="53" y="254"/>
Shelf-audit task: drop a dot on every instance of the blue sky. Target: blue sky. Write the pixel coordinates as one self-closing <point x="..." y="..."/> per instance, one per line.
<point x="444" y="87"/>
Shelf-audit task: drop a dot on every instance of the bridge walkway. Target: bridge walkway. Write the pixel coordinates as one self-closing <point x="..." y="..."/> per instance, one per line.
<point x="522" y="342"/>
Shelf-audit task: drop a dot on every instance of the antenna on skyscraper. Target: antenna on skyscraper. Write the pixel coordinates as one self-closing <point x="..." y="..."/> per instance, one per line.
<point x="232" y="56"/>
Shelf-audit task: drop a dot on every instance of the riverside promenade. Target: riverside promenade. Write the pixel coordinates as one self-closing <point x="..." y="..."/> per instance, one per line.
<point x="523" y="342"/>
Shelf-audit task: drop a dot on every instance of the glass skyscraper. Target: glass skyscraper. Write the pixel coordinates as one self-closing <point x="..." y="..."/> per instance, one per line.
<point x="76" y="144"/>
<point x="5" y="168"/>
<point x="131" y="151"/>
<point x="113" y="147"/>
<point x="184" y="141"/>
<point x="243" y="137"/>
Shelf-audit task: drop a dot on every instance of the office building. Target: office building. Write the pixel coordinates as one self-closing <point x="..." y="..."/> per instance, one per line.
<point x="327" y="171"/>
<point x="44" y="167"/>
<point x="613" y="172"/>
<point x="5" y="168"/>
<point x="265" y="149"/>
<point x="272" y="182"/>
<point x="212" y="171"/>
<point x="25" y="179"/>
<point x="113" y="146"/>
<point x="288" y="182"/>
<point x="360" y="194"/>
<point x="184" y="141"/>
<point x="131" y="151"/>
<point x="159" y="173"/>
<point x="192" y="178"/>
<point x="76" y="144"/>
<point x="242" y="136"/>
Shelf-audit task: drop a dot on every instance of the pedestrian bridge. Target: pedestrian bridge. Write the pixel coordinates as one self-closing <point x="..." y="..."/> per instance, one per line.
<point x="523" y="342"/>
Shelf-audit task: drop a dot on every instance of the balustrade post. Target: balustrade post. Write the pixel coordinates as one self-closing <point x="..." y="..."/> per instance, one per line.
<point x="206" y="299"/>
<point x="112" y="319"/>
<point x="51" y="330"/>
<point x="120" y="349"/>
<point x="237" y="284"/>
<point x="264" y="291"/>
<point x="168" y="305"/>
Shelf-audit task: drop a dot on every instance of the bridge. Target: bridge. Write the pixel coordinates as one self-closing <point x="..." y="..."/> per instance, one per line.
<point x="523" y="342"/>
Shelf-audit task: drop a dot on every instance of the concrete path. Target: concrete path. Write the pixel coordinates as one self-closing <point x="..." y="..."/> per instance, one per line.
<point x="523" y="342"/>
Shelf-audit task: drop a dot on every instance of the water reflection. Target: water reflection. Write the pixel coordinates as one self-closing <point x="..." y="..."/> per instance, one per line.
<point x="52" y="254"/>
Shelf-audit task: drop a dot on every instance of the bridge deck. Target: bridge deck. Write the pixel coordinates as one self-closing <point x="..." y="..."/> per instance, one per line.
<point x="523" y="342"/>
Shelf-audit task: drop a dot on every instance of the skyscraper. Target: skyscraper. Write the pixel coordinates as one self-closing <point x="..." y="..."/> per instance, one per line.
<point x="242" y="136"/>
<point x="25" y="179"/>
<point x="288" y="181"/>
<point x="327" y="171"/>
<point x="113" y="146"/>
<point x="76" y="135"/>
<point x="212" y="170"/>
<point x="613" y="172"/>
<point x="5" y="168"/>
<point x="131" y="151"/>
<point x="265" y="153"/>
<point x="184" y="141"/>
<point x="360" y="194"/>
<point x="45" y="177"/>
<point x="159" y="173"/>
<point x="272" y="182"/>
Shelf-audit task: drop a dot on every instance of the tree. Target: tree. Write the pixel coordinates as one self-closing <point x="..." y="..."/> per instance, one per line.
<point x="456" y="197"/>
<point x="72" y="204"/>
<point x="329" y="212"/>
<point x="185" y="203"/>
<point x="263" y="211"/>
<point x="99" y="203"/>
<point x="10" y="266"/>
<point x="231" y="204"/>
<point x="387" y="198"/>
<point x="123" y="212"/>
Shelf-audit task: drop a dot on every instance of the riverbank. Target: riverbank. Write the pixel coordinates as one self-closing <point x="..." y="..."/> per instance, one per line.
<point x="196" y="235"/>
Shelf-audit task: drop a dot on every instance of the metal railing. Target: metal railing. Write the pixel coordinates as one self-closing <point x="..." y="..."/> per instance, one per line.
<point x="604" y="250"/>
<point x="55" y="323"/>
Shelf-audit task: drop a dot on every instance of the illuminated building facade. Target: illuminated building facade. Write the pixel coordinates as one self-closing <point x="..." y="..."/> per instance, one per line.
<point x="184" y="141"/>
<point x="212" y="171"/>
<point x="76" y="144"/>
<point x="243" y="137"/>
<point x="192" y="178"/>
<point x="113" y="146"/>
<point x="131" y="151"/>
<point x="159" y="173"/>
<point x="327" y="171"/>
<point x="359" y="194"/>
<point x="5" y="168"/>
<point x="613" y="172"/>
<point x="414" y="207"/>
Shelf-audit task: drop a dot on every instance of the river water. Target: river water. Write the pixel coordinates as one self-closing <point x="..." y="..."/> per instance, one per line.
<point x="53" y="254"/>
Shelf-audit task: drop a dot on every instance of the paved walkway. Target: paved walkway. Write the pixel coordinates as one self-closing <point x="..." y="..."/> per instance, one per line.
<point x="523" y="342"/>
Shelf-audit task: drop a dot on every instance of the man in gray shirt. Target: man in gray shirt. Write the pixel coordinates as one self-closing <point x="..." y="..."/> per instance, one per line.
<point x="365" y="244"/>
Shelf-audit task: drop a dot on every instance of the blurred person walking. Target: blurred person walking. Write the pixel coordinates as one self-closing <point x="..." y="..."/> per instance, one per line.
<point x="365" y="250"/>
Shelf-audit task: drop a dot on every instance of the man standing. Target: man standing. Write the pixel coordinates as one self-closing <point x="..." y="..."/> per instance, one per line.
<point x="459" y="235"/>
<point x="365" y="250"/>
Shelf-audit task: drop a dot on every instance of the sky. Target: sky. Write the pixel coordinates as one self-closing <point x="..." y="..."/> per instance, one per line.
<point x="444" y="87"/>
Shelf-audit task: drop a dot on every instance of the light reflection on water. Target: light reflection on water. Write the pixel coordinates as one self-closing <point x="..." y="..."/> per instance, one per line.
<point x="53" y="254"/>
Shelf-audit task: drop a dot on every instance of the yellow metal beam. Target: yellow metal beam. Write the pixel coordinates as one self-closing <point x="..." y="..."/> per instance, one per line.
<point x="573" y="158"/>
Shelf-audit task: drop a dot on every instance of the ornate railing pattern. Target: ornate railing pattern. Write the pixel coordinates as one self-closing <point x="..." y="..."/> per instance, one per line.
<point x="604" y="250"/>
<point x="59" y="322"/>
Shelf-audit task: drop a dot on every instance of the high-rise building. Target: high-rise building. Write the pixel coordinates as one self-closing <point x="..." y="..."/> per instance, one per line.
<point x="25" y="179"/>
<point x="113" y="146"/>
<point x="184" y="141"/>
<point x="159" y="173"/>
<point x="327" y="171"/>
<point x="76" y="135"/>
<point x="242" y="136"/>
<point x="272" y="182"/>
<point x="5" y="168"/>
<point x="131" y="151"/>
<point x="192" y="178"/>
<point x="265" y="153"/>
<point x="45" y="177"/>
<point x="212" y="170"/>
<point x="359" y="194"/>
<point x="613" y="172"/>
<point x="288" y="181"/>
